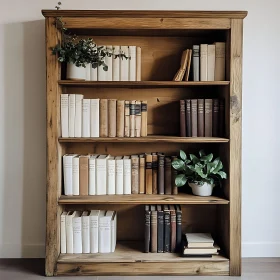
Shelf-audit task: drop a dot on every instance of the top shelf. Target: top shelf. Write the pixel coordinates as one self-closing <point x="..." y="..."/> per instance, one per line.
<point x="141" y="84"/>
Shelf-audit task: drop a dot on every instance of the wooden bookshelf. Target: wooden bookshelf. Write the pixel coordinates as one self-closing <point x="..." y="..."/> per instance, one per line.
<point x="162" y="35"/>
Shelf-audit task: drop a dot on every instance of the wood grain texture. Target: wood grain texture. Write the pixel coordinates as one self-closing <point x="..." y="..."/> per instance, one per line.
<point x="235" y="145"/>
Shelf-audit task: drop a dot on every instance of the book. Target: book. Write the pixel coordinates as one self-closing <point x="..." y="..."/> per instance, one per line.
<point x="173" y="177"/>
<point x="78" y="115"/>
<point x="104" y="233"/>
<point x="101" y="73"/>
<point x="153" y="229"/>
<point x="132" y="63"/>
<point x="194" y="117"/>
<point x="126" y="175"/>
<point x="160" y="229"/>
<point x="199" y="240"/>
<point x="215" y="123"/>
<point x="113" y="215"/>
<point x="142" y="171"/>
<point x="77" y="233"/>
<point x="71" y="121"/>
<point x="167" y="175"/>
<point x="101" y="174"/>
<point x="137" y="118"/>
<point x="68" y="173"/>
<point x="221" y="118"/>
<point x="208" y="118"/>
<point x="76" y="175"/>
<point x="220" y="61"/>
<point x="188" y="118"/>
<point x="200" y="117"/>
<point x="182" y="118"/>
<point x="111" y="175"/>
<point x="144" y="118"/>
<point x="155" y="172"/>
<point x="147" y="228"/>
<point x="112" y="117"/>
<point x="187" y="75"/>
<point x="92" y="174"/>
<point x="69" y="232"/>
<point x="119" y="175"/>
<point x="83" y="174"/>
<point x="135" y="174"/>
<point x="138" y="63"/>
<point x="149" y="174"/>
<point x="116" y="63"/>
<point x="93" y="74"/>
<point x="183" y="66"/>
<point x="103" y="118"/>
<point x="64" y="114"/>
<point x="63" y="232"/>
<point x="196" y="63"/>
<point x="201" y="251"/>
<point x="161" y="174"/>
<point x="85" y="232"/>
<point x="167" y="236"/>
<point x="126" y="118"/>
<point x="178" y="227"/>
<point x="87" y="72"/>
<point x="109" y="63"/>
<point x="203" y="62"/>
<point x="94" y="118"/>
<point x="120" y="118"/>
<point x="86" y="118"/>
<point x="93" y="223"/>
<point x="210" y="62"/>
<point x="172" y="228"/>
<point x="132" y="117"/>
<point x="124" y="64"/>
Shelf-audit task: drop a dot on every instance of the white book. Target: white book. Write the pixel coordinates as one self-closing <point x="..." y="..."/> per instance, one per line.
<point x="69" y="232"/>
<point x="63" y="233"/>
<point x="101" y="74"/>
<point x="132" y="63"/>
<point x="113" y="215"/>
<point x="93" y="74"/>
<point x="116" y="64"/>
<point x="92" y="175"/>
<point x="68" y="173"/>
<point x="101" y="174"/>
<point x="138" y="63"/>
<point x="75" y="174"/>
<point x="85" y="232"/>
<point x="94" y="117"/>
<point x="211" y="62"/>
<point x="71" y="121"/>
<point x="86" y="118"/>
<point x="195" y="63"/>
<point x="78" y="115"/>
<point x="119" y="175"/>
<point x="126" y="175"/>
<point x="93" y="223"/>
<point x="88" y="67"/>
<point x="77" y="233"/>
<point x="124" y="68"/>
<point x="111" y="175"/>
<point x="109" y="63"/>
<point x="203" y="62"/>
<point x="64" y="113"/>
<point x="199" y="240"/>
<point x="104" y="233"/>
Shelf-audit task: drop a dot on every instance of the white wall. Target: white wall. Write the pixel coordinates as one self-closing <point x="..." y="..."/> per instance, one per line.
<point x="23" y="128"/>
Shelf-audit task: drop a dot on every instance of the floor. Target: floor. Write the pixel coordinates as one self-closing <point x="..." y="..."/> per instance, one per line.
<point x="33" y="269"/>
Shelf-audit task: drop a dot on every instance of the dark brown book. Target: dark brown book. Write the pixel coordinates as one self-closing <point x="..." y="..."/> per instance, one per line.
<point x="222" y="118"/>
<point x="173" y="177"/>
<point x="178" y="227"/>
<point x="167" y="237"/>
<point x="194" y="117"/>
<point x="160" y="229"/>
<point x="142" y="171"/>
<point x="173" y="227"/>
<point x="182" y="118"/>
<point x="103" y="118"/>
<point x="200" y="117"/>
<point x="155" y="172"/>
<point x="135" y="174"/>
<point x="147" y="228"/>
<point x="112" y="117"/>
<point x="149" y="174"/>
<point x="154" y="229"/>
<point x="161" y="174"/>
<point x="216" y="109"/>
<point x="120" y="118"/>
<point x="208" y="118"/>
<point x="83" y="175"/>
<point x="188" y="118"/>
<point x="167" y="175"/>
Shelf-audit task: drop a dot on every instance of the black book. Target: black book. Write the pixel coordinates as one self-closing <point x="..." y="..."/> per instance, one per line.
<point x="147" y="228"/>
<point x="167" y="236"/>
<point x="160" y="229"/>
<point x="178" y="228"/>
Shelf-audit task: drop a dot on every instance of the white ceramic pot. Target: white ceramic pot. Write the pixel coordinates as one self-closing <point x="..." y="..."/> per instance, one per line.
<point x="75" y="73"/>
<point x="202" y="190"/>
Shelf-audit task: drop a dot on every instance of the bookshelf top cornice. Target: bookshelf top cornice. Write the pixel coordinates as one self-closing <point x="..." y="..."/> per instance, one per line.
<point x="143" y="14"/>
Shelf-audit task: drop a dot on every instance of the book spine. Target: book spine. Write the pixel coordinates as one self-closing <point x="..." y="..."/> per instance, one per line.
<point x="86" y="118"/>
<point x="101" y="73"/>
<point x="160" y="232"/>
<point x="124" y="62"/>
<point x="154" y="231"/>
<point x="173" y="177"/>
<point x="83" y="175"/>
<point x="111" y="167"/>
<point x="77" y="235"/>
<point x="188" y="66"/>
<point x="173" y="230"/>
<point x="78" y="115"/>
<point x="216" y="110"/>
<point x="120" y="118"/>
<point x="188" y="118"/>
<point x="112" y="117"/>
<point x="64" y="114"/>
<point x="127" y="119"/>
<point x="109" y="63"/>
<point x="178" y="229"/>
<point x="88" y="72"/>
<point x="116" y="63"/>
<point x="69" y="234"/>
<point x="144" y="118"/>
<point x="92" y="176"/>
<point x="138" y="64"/>
<point x="182" y="118"/>
<point x="161" y="174"/>
<point x="142" y="164"/>
<point x="68" y="175"/>
<point x="103" y="124"/>
<point x="93" y="222"/>
<point x="149" y="175"/>
<point x="220" y="62"/>
<point x="132" y="118"/>
<point x="147" y="229"/>
<point x="85" y="235"/>
<point x="210" y="62"/>
<point x="132" y="63"/>
<point x="167" y="175"/>
<point x="221" y="118"/>
<point x="194" y="117"/>
<point x="63" y="234"/>
<point x="104" y="234"/>
<point x="203" y="62"/>
<point x="94" y="118"/>
<point x="167" y="236"/>
<point x="71" y="115"/>
<point x="135" y="175"/>
<point x="119" y="176"/>
<point x="127" y="176"/>
<point x="93" y="74"/>
<point x="101" y="176"/>
<point x="113" y="233"/>
<point x="137" y="118"/>
<point x="155" y="173"/>
<point x="208" y="118"/>
<point x="200" y="117"/>
<point x="75" y="175"/>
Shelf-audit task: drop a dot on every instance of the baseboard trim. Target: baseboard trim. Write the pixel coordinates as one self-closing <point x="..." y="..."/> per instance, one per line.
<point x="22" y="251"/>
<point x="260" y="249"/>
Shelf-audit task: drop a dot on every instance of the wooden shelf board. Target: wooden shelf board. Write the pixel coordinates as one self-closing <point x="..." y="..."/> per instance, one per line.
<point x="142" y="84"/>
<point x="142" y="199"/>
<point x="148" y="139"/>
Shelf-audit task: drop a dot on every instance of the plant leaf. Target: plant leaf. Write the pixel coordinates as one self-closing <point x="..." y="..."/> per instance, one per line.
<point x="201" y="153"/>
<point x="183" y="155"/>
<point x="178" y="164"/>
<point x="194" y="159"/>
<point x="207" y="158"/>
<point x="222" y="174"/>
<point x="180" y="180"/>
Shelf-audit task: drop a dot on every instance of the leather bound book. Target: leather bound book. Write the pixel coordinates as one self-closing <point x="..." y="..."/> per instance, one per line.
<point x="134" y="174"/>
<point x="200" y="117"/>
<point x="103" y="118"/>
<point x="153" y="229"/>
<point x="222" y="118"/>
<point x="188" y="118"/>
<point x="178" y="228"/>
<point x="173" y="177"/>
<point x="166" y="212"/>
<point x="167" y="175"/>
<point x="216" y="109"/>
<point x="120" y="118"/>
<point x="155" y="172"/>
<point x="126" y="119"/>
<point x="160" y="230"/>
<point x="173" y="227"/>
<point x="132" y="118"/>
<point x="142" y="171"/>
<point x="182" y="118"/>
<point x="112" y="117"/>
<point x="144" y="118"/>
<point x="194" y="117"/>
<point x="147" y="228"/>
<point x="83" y="175"/>
<point x="137" y="118"/>
<point x="149" y="174"/>
<point x="208" y="118"/>
<point x="161" y="174"/>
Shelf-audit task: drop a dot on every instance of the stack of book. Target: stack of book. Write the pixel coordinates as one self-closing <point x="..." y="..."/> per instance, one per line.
<point x="102" y="117"/>
<point x="92" y="231"/>
<point x="202" y="118"/>
<point x="199" y="245"/>
<point x="163" y="228"/>
<point x="105" y="174"/>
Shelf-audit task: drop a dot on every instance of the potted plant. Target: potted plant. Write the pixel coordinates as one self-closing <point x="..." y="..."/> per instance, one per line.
<point x="201" y="173"/>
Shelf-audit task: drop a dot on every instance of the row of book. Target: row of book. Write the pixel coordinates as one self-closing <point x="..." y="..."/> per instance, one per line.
<point x="102" y="117"/>
<point x="106" y="175"/>
<point x="85" y="232"/>
<point x="163" y="228"/>
<point x="202" y="118"/>
<point x="208" y="63"/>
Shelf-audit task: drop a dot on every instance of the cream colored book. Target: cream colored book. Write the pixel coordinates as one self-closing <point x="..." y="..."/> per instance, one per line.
<point x="124" y="69"/>
<point x="132" y="63"/>
<point x="69" y="232"/>
<point x="94" y="117"/>
<point x="63" y="233"/>
<point x="201" y="251"/>
<point x="101" y="174"/>
<point x="126" y="175"/>
<point x="138" y="63"/>
<point x="85" y="232"/>
<point x="93" y="229"/>
<point x="220" y="62"/>
<point x="78" y="115"/>
<point x="71" y="121"/>
<point x="86" y="118"/>
<point x="211" y="62"/>
<point x="77" y="233"/>
<point x="64" y="114"/>
<point x="109" y="63"/>
<point x="119" y="175"/>
<point x="203" y="62"/>
<point x="199" y="240"/>
<point x="116" y="64"/>
<point x="111" y="175"/>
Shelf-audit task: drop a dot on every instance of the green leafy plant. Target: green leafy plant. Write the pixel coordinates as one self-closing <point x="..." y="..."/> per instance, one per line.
<point x="198" y="170"/>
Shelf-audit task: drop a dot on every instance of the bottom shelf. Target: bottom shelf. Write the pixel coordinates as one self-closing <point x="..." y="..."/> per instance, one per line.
<point x="128" y="259"/>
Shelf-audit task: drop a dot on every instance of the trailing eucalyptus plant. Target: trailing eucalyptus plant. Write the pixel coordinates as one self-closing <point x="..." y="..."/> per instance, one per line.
<point x="198" y="170"/>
